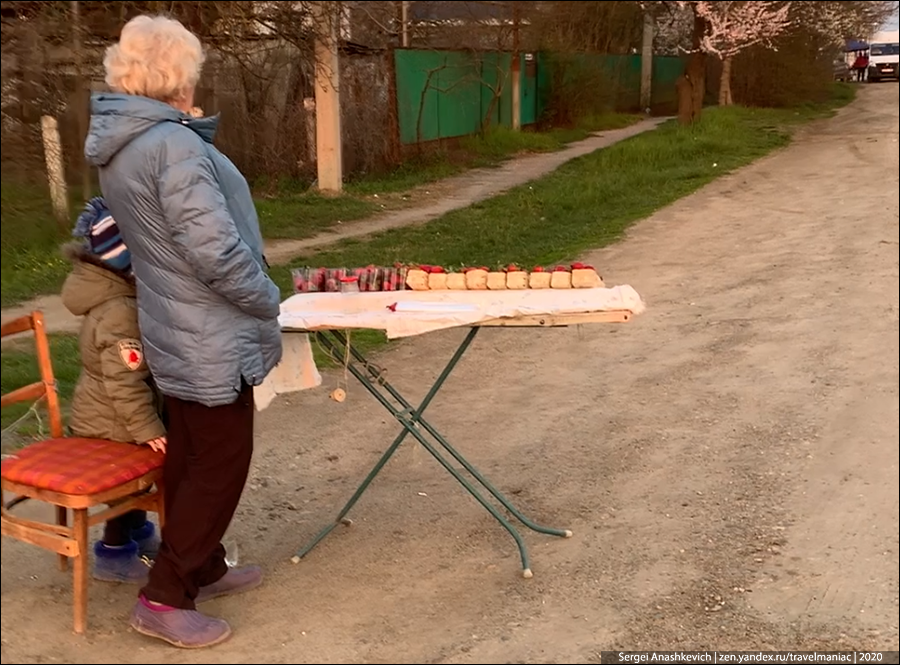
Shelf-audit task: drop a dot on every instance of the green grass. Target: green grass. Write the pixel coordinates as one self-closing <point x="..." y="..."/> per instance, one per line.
<point x="30" y="239"/>
<point x="305" y="215"/>
<point x="32" y="265"/>
<point x="19" y="368"/>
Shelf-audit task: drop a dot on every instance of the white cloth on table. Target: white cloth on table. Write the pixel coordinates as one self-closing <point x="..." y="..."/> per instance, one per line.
<point x="296" y="371"/>
<point x="408" y="313"/>
<point x="419" y="312"/>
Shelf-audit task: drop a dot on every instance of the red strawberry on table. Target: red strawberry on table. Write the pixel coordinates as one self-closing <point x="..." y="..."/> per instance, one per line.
<point x="538" y="269"/>
<point x="578" y="266"/>
<point x="560" y="269"/>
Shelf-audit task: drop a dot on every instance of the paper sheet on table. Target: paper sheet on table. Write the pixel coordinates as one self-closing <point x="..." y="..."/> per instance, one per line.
<point x="420" y="312"/>
<point x="296" y="371"/>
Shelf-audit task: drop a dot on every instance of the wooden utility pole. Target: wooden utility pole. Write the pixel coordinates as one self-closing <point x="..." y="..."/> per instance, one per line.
<point x="82" y="95"/>
<point x="404" y="23"/>
<point x="56" y="171"/>
<point x="516" y="71"/>
<point x="329" y="160"/>
<point x="647" y="62"/>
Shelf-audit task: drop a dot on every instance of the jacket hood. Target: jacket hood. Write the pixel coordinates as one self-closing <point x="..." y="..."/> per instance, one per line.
<point x="89" y="284"/>
<point x="117" y="119"/>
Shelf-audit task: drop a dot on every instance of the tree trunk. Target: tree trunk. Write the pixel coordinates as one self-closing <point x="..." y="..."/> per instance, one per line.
<point x="692" y="84"/>
<point x="725" y="98"/>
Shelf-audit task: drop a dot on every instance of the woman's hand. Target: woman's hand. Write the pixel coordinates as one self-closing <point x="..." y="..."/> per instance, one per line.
<point x="158" y="445"/>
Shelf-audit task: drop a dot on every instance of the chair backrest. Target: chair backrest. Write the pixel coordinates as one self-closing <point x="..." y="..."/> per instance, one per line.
<point x="46" y="387"/>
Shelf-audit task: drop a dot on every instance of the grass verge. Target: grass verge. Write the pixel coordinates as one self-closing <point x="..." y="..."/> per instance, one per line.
<point x="31" y="264"/>
<point x="19" y="368"/>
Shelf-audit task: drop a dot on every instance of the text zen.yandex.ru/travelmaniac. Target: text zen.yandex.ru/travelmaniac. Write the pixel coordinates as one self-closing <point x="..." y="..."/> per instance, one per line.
<point x="747" y="657"/>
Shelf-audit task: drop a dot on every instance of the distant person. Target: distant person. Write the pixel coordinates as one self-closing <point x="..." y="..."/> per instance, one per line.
<point x="115" y="398"/>
<point x="208" y="311"/>
<point x="860" y="65"/>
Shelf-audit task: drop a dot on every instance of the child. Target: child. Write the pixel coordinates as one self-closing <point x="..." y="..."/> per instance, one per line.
<point x="114" y="398"/>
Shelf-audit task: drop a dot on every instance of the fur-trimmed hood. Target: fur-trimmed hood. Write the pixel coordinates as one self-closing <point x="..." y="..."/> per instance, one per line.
<point x="91" y="282"/>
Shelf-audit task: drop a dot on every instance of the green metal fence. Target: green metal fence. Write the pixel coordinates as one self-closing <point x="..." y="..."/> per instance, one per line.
<point x="447" y="94"/>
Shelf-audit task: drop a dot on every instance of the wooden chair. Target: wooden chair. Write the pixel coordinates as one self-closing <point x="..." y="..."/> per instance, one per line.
<point x="72" y="474"/>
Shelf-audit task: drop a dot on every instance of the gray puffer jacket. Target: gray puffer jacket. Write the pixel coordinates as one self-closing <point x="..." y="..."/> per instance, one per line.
<point x="208" y="311"/>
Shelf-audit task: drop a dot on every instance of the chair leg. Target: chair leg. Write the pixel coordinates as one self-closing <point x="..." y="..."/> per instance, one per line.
<point x="62" y="519"/>
<point x="80" y="585"/>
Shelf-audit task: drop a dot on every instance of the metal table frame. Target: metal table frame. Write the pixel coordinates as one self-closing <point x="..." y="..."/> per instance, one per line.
<point x="414" y="424"/>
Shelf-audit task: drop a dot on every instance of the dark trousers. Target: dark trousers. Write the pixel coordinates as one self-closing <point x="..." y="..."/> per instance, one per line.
<point x="119" y="530"/>
<point x="208" y="453"/>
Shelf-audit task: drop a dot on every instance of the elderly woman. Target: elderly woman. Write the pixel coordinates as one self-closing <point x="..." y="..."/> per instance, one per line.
<point x="207" y="310"/>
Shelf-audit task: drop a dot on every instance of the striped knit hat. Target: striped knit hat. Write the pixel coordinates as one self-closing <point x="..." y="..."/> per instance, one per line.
<point x="101" y="235"/>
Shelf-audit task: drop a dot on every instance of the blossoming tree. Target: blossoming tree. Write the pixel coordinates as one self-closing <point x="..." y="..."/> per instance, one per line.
<point x="732" y="27"/>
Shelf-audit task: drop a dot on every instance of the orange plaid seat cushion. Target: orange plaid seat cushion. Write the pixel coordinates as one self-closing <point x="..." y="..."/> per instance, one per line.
<point x="79" y="467"/>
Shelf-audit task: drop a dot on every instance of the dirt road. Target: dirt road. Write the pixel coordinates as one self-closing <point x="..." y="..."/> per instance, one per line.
<point x="728" y="462"/>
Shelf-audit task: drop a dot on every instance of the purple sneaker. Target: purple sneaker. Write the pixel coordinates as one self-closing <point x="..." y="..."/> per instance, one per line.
<point x="186" y="629"/>
<point x="236" y="580"/>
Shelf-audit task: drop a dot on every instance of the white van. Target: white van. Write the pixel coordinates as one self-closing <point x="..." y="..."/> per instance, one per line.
<point x="884" y="61"/>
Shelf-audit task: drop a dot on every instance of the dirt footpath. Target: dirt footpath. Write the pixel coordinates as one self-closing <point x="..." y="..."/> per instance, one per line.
<point x="728" y="462"/>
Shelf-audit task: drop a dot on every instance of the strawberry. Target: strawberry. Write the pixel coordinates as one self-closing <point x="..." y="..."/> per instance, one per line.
<point x="538" y="269"/>
<point x="437" y="270"/>
<point x="512" y="267"/>
<point x="560" y="269"/>
<point x="315" y="279"/>
<point x="300" y="281"/>
<point x="388" y="279"/>
<point x="577" y="266"/>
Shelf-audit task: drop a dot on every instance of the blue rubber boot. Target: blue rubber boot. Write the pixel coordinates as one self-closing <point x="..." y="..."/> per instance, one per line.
<point x="119" y="564"/>
<point x="147" y="540"/>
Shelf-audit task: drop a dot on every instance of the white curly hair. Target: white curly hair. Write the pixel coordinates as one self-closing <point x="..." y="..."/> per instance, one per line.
<point x="155" y="57"/>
